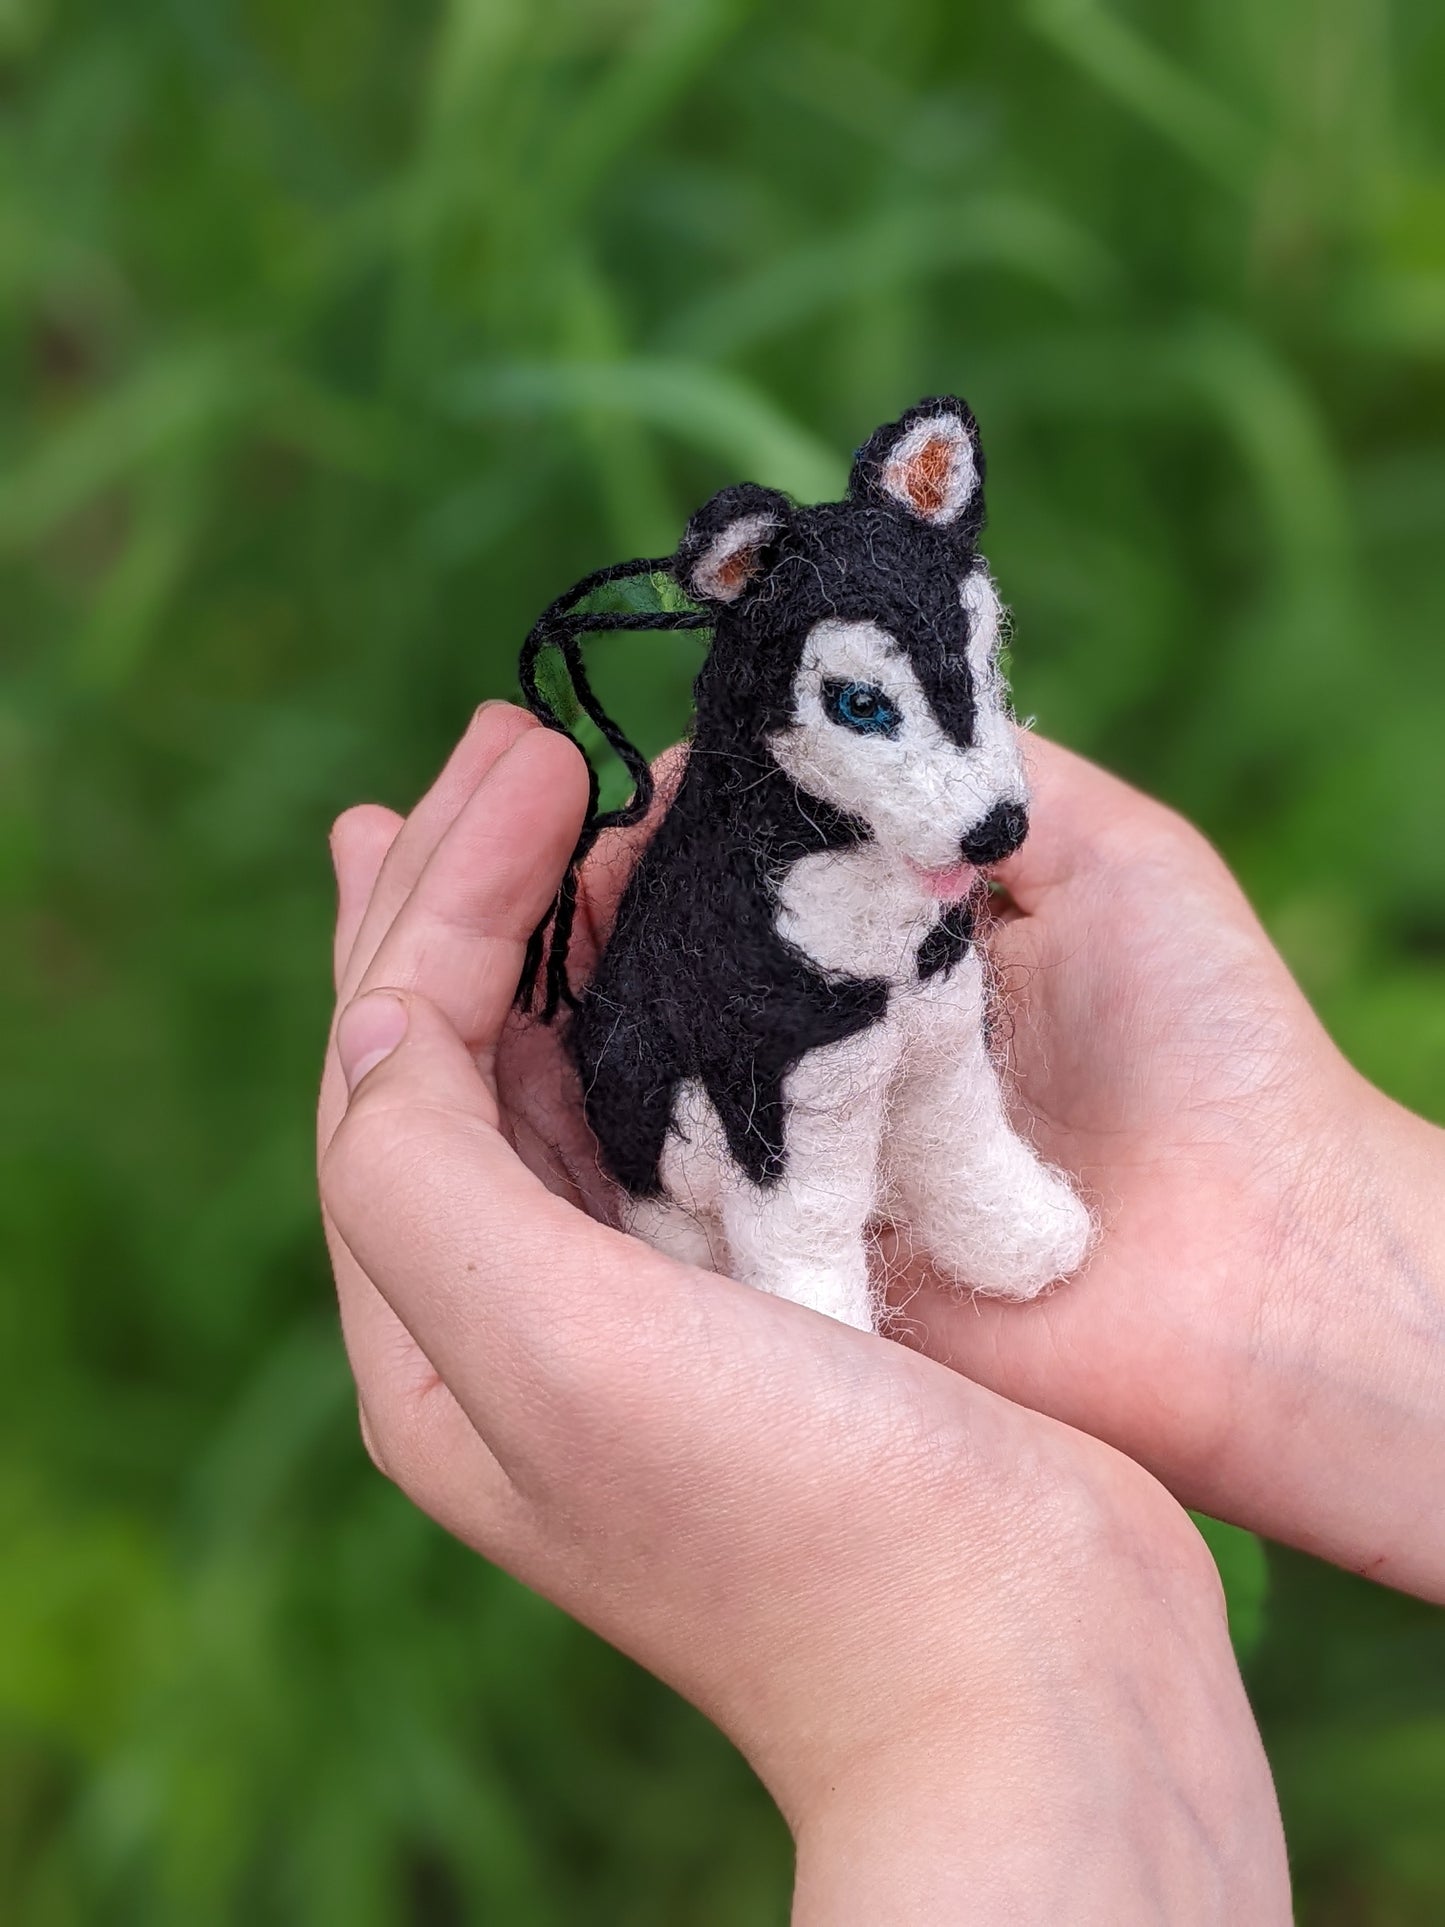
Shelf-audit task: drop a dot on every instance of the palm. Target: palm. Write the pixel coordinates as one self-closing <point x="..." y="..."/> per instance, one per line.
<point x="1165" y="1057"/>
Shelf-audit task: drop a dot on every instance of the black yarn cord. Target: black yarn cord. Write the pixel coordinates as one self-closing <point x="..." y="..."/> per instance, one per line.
<point x="562" y="627"/>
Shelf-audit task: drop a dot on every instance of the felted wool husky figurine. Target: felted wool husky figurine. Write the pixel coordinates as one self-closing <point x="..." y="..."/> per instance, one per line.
<point x="785" y="1036"/>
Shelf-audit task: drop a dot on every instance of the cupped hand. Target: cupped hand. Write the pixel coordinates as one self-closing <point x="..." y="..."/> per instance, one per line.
<point x="971" y="1651"/>
<point x="1263" y="1320"/>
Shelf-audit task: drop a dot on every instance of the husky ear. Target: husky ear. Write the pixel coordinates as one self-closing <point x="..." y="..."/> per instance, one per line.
<point x="725" y="549"/>
<point x="929" y="465"/>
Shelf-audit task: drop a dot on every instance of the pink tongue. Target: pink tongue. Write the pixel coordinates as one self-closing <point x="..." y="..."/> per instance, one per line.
<point x="947" y="885"/>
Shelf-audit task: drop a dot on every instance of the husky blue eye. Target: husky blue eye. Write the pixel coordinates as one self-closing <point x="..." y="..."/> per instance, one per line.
<point x="861" y="706"/>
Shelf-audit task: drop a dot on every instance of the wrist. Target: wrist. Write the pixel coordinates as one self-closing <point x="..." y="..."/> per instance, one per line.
<point x="1088" y="1756"/>
<point x="1096" y="1824"/>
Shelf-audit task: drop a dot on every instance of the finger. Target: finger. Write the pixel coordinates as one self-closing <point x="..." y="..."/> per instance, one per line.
<point x="418" y="1157"/>
<point x="412" y="1425"/>
<point x="462" y="934"/>
<point x="615" y="857"/>
<point x="488" y="737"/>
<point x="492" y="731"/>
<point x="1079" y="818"/>
<point x="414" y="1430"/>
<point x="360" y="840"/>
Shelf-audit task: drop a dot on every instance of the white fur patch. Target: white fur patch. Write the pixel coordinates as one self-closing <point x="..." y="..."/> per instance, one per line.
<point x="996" y="741"/>
<point x="919" y="793"/>
<point x="985" y="637"/>
<point x="856" y="913"/>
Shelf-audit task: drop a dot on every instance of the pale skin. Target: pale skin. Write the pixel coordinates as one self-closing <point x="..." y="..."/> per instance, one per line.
<point x="974" y="1649"/>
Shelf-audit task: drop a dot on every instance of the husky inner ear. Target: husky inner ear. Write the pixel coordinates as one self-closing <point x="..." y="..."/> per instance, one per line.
<point x="726" y="546"/>
<point x="929" y="464"/>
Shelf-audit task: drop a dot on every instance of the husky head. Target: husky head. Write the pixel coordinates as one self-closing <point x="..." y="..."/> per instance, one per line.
<point x="856" y="645"/>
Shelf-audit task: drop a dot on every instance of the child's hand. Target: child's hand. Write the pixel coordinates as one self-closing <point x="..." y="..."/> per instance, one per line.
<point x="1263" y="1323"/>
<point x="979" y="1659"/>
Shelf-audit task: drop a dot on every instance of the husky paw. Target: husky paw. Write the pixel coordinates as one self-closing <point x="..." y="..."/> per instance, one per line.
<point x="1041" y="1238"/>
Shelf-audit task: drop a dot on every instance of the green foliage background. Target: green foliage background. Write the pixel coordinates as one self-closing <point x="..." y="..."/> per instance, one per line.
<point x="337" y="338"/>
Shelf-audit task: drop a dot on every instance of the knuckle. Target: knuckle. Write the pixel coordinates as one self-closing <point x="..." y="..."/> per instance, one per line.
<point x="1171" y="834"/>
<point x="374" y="1440"/>
<point x="1155" y="837"/>
<point x="396" y="1430"/>
<point x="411" y="1435"/>
<point x="384" y="1143"/>
<point x="1120" y="1523"/>
<point x="355" y="1159"/>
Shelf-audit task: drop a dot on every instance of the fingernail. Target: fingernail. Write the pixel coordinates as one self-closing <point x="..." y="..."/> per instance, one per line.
<point x="370" y="1029"/>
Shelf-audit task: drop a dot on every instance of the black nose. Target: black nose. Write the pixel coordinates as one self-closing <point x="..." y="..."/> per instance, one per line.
<point x="998" y="836"/>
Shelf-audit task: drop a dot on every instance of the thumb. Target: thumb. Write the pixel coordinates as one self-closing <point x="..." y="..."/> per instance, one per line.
<point x="513" y="1294"/>
<point x="368" y="1031"/>
<point x="567" y="1344"/>
<point x="1078" y="815"/>
<point x="411" y="1081"/>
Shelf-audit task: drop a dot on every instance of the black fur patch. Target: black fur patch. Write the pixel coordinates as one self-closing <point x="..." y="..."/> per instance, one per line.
<point x="697" y="983"/>
<point x="863" y="565"/>
<point x="947" y="943"/>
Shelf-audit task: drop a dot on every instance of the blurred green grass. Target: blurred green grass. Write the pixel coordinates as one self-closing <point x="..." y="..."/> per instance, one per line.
<point x="336" y="339"/>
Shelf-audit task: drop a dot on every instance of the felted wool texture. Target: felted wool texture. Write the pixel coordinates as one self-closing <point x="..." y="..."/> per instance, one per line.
<point x="785" y="1035"/>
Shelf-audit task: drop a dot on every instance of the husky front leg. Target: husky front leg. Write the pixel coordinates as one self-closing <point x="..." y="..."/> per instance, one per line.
<point x="980" y="1201"/>
<point x="801" y="1235"/>
<point x="672" y="1230"/>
